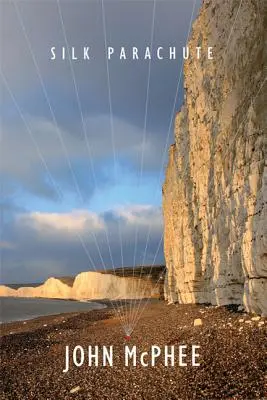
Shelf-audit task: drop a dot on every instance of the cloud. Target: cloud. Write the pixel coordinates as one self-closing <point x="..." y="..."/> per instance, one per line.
<point x="61" y="147"/>
<point x="83" y="25"/>
<point x="68" y="223"/>
<point x="6" y="245"/>
<point x="61" y="242"/>
<point x="46" y="242"/>
<point x="50" y="159"/>
<point x="142" y="215"/>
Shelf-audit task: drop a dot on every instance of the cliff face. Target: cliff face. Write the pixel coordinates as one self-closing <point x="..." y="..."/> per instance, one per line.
<point x="89" y="285"/>
<point x="215" y="192"/>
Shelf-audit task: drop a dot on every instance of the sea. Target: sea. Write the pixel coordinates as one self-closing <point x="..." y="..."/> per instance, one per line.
<point x="20" y="309"/>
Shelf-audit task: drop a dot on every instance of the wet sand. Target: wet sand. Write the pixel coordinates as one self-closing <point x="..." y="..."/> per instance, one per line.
<point x="232" y="356"/>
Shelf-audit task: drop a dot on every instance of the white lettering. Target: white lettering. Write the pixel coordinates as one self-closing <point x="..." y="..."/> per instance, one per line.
<point x="210" y="53"/>
<point x="85" y="53"/>
<point x="108" y="356"/>
<point x="182" y="356"/>
<point x="172" y="53"/>
<point x="67" y="360"/>
<point x="143" y="355"/>
<point x="159" y="56"/>
<point x="135" y="53"/>
<point x="92" y="355"/>
<point x="185" y="53"/>
<point x="73" y="57"/>
<point x="81" y="351"/>
<point x="130" y="354"/>
<point x="169" y="355"/>
<point x="53" y="57"/>
<point x="198" y="49"/>
<point x="147" y="54"/>
<point x="122" y="53"/>
<point x="155" y="352"/>
<point x="110" y="52"/>
<point x="195" y="355"/>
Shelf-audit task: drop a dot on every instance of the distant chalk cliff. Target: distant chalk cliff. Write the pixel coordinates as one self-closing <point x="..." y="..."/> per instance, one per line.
<point x="215" y="191"/>
<point x="90" y="285"/>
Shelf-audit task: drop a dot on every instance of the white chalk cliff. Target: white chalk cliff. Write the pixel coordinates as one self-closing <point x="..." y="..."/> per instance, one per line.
<point x="215" y="192"/>
<point x="89" y="285"/>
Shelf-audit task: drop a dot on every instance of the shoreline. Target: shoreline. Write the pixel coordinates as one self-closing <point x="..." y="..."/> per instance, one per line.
<point x="100" y="304"/>
<point x="37" y="321"/>
<point x="232" y="355"/>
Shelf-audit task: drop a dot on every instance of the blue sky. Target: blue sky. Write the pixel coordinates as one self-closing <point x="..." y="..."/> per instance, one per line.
<point x="63" y="154"/>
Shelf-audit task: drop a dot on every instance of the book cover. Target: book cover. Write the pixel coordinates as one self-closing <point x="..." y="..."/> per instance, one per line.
<point x="133" y="186"/>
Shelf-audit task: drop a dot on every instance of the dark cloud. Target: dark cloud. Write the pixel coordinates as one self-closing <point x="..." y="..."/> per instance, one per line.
<point x="49" y="157"/>
<point x="128" y="24"/>
<point x="57" y="241"/>
<point x="57" y="141"/>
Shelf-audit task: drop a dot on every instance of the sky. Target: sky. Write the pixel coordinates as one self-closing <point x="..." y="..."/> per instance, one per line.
<point x="84" y="143"/>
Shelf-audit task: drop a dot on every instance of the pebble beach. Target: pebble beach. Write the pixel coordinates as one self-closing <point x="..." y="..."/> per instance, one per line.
<point x="232" y="355"/>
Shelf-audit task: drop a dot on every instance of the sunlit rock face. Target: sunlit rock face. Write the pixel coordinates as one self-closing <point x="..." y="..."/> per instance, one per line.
<point x="94" y="285"/>
<point x="89" y="285"/>
<point x="215" y="191"/>
<point x="51" y="288"/>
